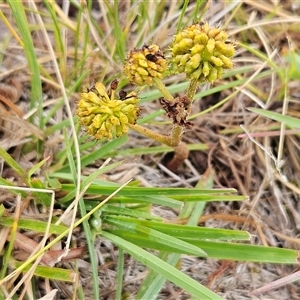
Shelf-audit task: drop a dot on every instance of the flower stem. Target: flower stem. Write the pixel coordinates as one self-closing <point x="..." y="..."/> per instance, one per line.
<point x="191" y="91"/>
<point x="162" y="88"/>
<point x="167" y="140"/>
<point x="181" y="151"/>
<point x="174" y="140"/>
<point x="176" y="135"/>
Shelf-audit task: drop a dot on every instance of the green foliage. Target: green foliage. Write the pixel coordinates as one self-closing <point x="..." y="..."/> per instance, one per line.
<point x="119" y="213"/>
<point x="293" y="58"/>
<point x="287" y="120"/>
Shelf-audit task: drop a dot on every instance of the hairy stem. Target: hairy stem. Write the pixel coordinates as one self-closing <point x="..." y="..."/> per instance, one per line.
<point x="176" y="135"/>
<point x="167" y="140"/>
<point x="181" y="151"/>
<point x="191" y="91"/>
<point x="162" y="88"/>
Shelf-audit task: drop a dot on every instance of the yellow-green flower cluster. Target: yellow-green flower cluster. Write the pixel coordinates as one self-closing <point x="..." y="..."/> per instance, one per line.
<point x="142" y="65"/>
<point x="104" y="116"/>
<point x="202" y="52"/>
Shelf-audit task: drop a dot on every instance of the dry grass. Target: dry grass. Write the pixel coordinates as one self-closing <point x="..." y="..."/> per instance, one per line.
<point x="271" y="214"/>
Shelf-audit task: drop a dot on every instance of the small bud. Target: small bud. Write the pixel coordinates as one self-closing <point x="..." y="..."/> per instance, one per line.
<point x="217" y="61"/>
<point x="213" y="32"/>
<point x="195" y="61"/>
<point x="210" y="45"/>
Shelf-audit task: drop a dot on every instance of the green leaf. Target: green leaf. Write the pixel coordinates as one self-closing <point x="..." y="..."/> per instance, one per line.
<point x="11" y="162"/>
<point x="166" y="270"/>
<point x="106" y="191"/>
<point x="161" y="196"/>
<point x="35" y="168"/>
<point x="117" y="210"/>
<point x="187" y="232"/>
<point x="144" y="242"/>
<point x="155" y="236"/>
<point x="192" y="211"/>
<point x="34" y="225"/>
<point x="86" y="227"/>
<point x="154" y="150"/>
<point x="289" y="121"/>
<point x="7" y="184"/>
<point x="220" y="250"/>
<point x="17" y="9"/>
<point x="143" y="191"/>
<point x="66" y="275"/>
<point x="253" y="253"/>
<point x="41" y="197"/>
<point x="294" y="60"/>
<point x="103" y="151"/>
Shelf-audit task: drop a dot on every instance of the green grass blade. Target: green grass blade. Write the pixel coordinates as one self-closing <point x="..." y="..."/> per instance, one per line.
<point x="154" y="150"/>
<point x="66" y="275"/>
<point x="86" y="227"/>
<point x="11" y="162"/>
<point x="189" y="232"/>
<point x="120" y="274"/>
<point x="160" y="266"/>
<point x="34" y="225"/>
<point x="253" y="253"/>
<point x="219" y="250"/>
<point x="5" y="184"/>
<point x="293" y="59"/>
<point x="289" y="121"/>
<point x="17" y="9"/>
<point x="40" y="197"/>
<point x="118" y="33"/>
<point x="159" y="200"/>
<point x="144" y="241"/>
<point x="154" y="235"/>
<point x="117" y="210"/>
<point x="163" y="196"/>
<point x="59" y="43"/>
<point x="154" y="282"/>
<point x="183" y="10"/>
<point x="142" y="191"/>
<point x="102" y="152"/>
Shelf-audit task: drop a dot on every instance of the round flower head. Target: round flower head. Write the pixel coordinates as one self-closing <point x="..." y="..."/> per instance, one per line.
<point x="104" y="116"/>
<point x="142" y="65"/>
<point x="202" y="52"/>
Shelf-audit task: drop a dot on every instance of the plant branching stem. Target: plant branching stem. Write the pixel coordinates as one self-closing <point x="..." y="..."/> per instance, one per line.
<point x="191" y="91"/>
<point x="167" y="140"/>
<point x="174" y="139"/>
<point x="176" y="135"/>
<point x="162" y="88"/>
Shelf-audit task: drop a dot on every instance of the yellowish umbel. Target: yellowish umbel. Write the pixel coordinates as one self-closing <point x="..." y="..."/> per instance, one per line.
<point x="102" y="115"/>
<point x="143" y="65"/>
<point x="202" y="52"/>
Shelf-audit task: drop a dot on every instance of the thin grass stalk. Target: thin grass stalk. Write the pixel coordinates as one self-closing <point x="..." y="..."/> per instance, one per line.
<point x="120" y="273"/>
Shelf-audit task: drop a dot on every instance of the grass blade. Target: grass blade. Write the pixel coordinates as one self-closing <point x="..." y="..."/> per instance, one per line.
<point x="289" y="121"/>
<point x="166" y="270"/>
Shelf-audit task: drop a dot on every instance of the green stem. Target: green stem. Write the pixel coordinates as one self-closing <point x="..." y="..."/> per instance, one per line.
<point x="191" y="91"/>
<point x="167" y="140"/>
<point x="162" y="88"/>
<point x="176" y="134"/>
<point x="177" y="130"/>
<point x="175" y="138"/>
